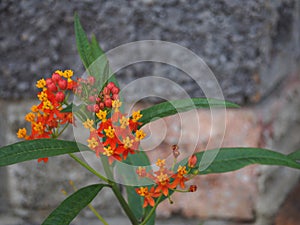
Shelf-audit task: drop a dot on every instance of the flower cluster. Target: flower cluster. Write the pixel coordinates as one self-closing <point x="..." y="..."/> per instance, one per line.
<point x="165" y="180"/>
<point x="87" y="90"/>
<point x="116" y="135"/>
<point x="46" y="118"/>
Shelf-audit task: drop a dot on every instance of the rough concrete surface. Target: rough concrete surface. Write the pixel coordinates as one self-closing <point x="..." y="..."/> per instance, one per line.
<point x="240" y="41"/>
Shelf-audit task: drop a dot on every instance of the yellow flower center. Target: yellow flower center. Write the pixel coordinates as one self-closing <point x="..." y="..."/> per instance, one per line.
<point x="162" y="178"/>
<point x="181" y="170"/>
<point x="102" y="115"/>
<point x="116" y="104"/>
<point x="92" y="143"/>
<point x="41" y="83"/>
<point x="140" y="135"/>
<point x="34" y="108"/>
<point x="136" y="116"/>
<point x="89" y="124"/>
<point x="108" y="151"/>
<point x="22" y="133"/>
<point x="161" y="162"/>
<point x="124" y="121"/>
<point x="110" y="132"/>
<point x="43" y="96"/>
<point x="39" y="127"/>
<point x="47" y="105"/>
<point x="59" y="72"/>
<point x="127" y="142"/>
<point x="30" y="117"/>
<point x="143" y="191"/>
<point x="67" y="74"/>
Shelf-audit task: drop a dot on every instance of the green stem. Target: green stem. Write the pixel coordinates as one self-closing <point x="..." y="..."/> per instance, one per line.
<point x="124" y="204"/>
<point x="89" y="168"/>
<point x="97" y="214"/>
<point x="151" y="212"/>
<point x="65" y="127"/>
<point x="118" y="193"/>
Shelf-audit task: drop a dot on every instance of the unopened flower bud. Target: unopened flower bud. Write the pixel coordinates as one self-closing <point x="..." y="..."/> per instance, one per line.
<point x="91" y="80"/>
<point x="106" y="91"/>
<point x="101" y="105"/>
<point x="176" y="152"/>
<point x="55" y="77"/>
<point x="193" y="188"/>
<point x="110" y="85"/>
<point x="106" y="97"/>
<point x="60" y="96"/>
<point x="92" y="98"/>
<point x="115" y="90"/>
<point x="52" y="87"/>
<point x="141" y="171"/>
<point x="49" y="81"/>
<point x="89" y="108"/>
<point x="115" y="96"/>
<point x="192" y="161"/>
<point x="96" y="108"/>
<point x="108" y="103"/>
<point x="63" y="84"/>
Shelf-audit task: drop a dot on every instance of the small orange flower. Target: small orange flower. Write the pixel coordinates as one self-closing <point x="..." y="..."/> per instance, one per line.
<point x="148" y="195"/>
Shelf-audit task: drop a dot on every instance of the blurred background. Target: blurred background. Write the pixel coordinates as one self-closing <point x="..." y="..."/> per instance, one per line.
<point x="252" y="47"/>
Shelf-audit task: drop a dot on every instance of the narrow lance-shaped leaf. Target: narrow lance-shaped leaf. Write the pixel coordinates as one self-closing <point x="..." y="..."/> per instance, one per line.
<point x="82" y="43"/>
<point x="92" y="56"/>
<point x="172" y="107"/>
<point x="230" y="159"/>
<point x="71" y="206"/>
<point x="34" y="149"/>
<point x="295" y="155"/>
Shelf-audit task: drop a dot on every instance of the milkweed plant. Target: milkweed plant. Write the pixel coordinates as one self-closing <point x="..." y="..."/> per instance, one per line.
<point x="114" y="137"/>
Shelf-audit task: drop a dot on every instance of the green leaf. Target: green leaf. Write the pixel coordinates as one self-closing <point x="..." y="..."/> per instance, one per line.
<point x="230" y="159"/>
<point x="172" y="107"/>
<point x="72" y="108"/>
<point x="82" y="43"/>
<point x="295" y="155"/>
<point x="69" y="108"/>
<point x="39" y="148"/>
<point x="93" y="56"/>
<point x="96" y="49"/>
<point x="71" y="206"/>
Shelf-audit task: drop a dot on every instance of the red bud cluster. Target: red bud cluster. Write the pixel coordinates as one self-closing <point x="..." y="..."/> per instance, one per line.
<point x="87" y="90"/>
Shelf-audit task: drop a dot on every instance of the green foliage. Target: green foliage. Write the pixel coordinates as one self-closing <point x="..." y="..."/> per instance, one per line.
<point x="39" y="148"/>
<point x="71" y="206"/>
<point x="230" y="159"/>
<point x="295" y="155"/>
<point x="82" y="43"/>
<point x="169" y="108"/>
<point x="92" y="56"/>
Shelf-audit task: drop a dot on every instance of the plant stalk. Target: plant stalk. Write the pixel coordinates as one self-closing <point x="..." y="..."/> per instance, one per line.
<point x="118" y="193"/>
<point x="89" y="168"/>
<point x="97" y="214"/>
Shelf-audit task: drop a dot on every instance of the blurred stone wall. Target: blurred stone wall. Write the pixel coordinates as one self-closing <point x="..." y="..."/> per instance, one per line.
<point x="253" y="48"/>
<point x="249" y="45"/>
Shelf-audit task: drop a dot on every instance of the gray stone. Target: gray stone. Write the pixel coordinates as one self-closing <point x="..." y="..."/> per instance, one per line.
<point x="3" y="171"/>
<point x="282" y="134"/>
<point x="250" y="46"/>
